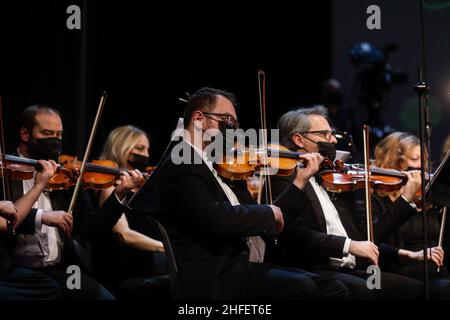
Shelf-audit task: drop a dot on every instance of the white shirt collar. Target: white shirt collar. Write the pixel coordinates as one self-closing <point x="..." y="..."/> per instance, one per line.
<point x="201" y="153"/>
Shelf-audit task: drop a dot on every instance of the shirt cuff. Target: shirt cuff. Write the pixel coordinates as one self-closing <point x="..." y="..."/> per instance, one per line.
<point x="411" y="203"/>
<point x="38" y="220"/>
<point x="346" y="249"/>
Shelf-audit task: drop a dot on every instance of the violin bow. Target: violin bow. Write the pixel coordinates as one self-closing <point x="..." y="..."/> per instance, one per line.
<point x="367" y="184"/>
<point x="263" y="124"/>
<point x="5" y="179"/>
<point x="87" y="152"/>
<point x="266" y="173"/>
<point x="442" y="229"/>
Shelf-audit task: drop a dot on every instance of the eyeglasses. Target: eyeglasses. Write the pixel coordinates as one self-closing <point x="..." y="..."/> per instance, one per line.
<point x="326" y="134"/>
<point x="225" y="117"/>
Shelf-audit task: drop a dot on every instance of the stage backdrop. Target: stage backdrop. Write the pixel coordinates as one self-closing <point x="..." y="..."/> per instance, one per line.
<point x="400" y="26"/>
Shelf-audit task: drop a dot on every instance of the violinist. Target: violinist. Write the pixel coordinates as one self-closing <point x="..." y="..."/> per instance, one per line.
<point x="25" y="203"/>
<point x="126" y="257"/>
<point x="43" y="249"/>
<point x="19" y="283"/>
<point x="326" y="237"/>
<point x="401" y="151"/>
<point x="210" y="227"/>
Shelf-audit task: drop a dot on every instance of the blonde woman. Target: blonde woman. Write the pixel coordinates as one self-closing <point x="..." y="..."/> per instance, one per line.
<point x="401" y="151"/>
<point x="128" y="258"/>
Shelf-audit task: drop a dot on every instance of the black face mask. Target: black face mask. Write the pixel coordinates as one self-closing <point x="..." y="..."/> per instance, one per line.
<point x="139" y="162"/>
<point x="327" y="150"/>
<point x="46" y="148"/>
<point x="223" y="127"/>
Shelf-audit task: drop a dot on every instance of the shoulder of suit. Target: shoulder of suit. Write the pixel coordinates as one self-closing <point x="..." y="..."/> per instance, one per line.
<point x="172" y="165"/>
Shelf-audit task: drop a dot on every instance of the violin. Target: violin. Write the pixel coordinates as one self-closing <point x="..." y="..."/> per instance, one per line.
<point x="336" y="177"/>
<point x="241" y="163"/>
<point x="349" y="177"/>
<point x="17" y="168"/>
<point x="99" y="174"/>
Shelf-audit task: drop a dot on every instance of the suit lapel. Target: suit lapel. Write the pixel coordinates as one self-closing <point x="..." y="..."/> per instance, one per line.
<point x="59" y="200"/>
<point x="317" y="208"/>
<point x="346" y="215"/>
<point x="205" y="172"/>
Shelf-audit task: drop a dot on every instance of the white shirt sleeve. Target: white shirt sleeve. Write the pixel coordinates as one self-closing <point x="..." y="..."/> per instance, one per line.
<point x="38" y="220"/>
<point x="346" y="249"/>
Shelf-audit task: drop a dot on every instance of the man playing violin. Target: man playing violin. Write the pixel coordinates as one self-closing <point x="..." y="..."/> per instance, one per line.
<point x="19" y="283"/>
<point x="214" y="233"/>
<point x="44" y="247"/>
<point x="327" y="237"/>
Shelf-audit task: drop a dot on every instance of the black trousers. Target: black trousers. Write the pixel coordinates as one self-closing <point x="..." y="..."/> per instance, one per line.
<point x="439" y="281"/>
<point x="25" y="284"/>
<point x="393" y="286"/>
<point x="265" y="281"/>
<point x="90" y="288"/>
<point x="152" y="287"/>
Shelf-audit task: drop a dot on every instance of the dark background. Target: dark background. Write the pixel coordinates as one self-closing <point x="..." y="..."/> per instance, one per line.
<point x="147" y="55"/>
<point x="400" y="25"/>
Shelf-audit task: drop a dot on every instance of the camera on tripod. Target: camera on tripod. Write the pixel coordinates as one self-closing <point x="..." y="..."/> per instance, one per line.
<point x="375" y="77"/>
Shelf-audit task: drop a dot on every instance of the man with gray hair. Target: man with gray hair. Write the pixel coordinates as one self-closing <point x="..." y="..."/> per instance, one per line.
<point x="325" y="238"/>
<point x="295" y="121"/>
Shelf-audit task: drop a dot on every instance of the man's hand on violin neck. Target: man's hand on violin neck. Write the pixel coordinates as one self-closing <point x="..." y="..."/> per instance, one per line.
<point x="413" y="185"/>
<point x="279" y="220"/>
<point x="59" y="219"/>
<point x="48" y="170"/>
<point x="313" y="161"/>
<point x="365" y="249"/>
<point x="8" y="211"/>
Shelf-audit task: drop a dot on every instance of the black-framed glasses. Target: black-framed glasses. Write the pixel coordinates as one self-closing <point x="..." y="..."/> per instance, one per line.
<point x="326" y="134"/>
<point x="225" y="117"/>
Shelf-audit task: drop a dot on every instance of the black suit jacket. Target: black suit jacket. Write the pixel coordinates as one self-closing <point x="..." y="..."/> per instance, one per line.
<point x="206" y="231"/>
<point x="307" y="243"/>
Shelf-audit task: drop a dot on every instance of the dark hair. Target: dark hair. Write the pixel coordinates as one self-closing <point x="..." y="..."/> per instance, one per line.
<point x="204" y="99"/>
<point x="28" y="115"/>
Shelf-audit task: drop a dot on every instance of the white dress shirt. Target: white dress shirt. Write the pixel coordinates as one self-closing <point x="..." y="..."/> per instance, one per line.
<point x="334" y="226"/>
<point x="256" y="245"/>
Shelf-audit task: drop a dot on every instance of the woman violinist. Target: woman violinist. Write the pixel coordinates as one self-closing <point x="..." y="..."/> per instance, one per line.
<point x="401" y="151"/>
<point x="127" y="257"/>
